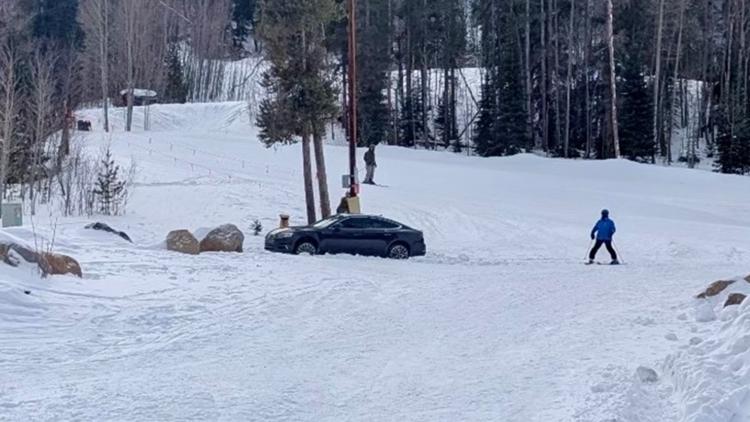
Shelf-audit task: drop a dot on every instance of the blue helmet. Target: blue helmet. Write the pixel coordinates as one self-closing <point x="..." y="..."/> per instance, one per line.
<point x="605" y="213"/>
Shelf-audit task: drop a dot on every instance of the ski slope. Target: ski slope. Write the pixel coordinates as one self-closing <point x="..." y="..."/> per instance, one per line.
<point x="499" y="322"/>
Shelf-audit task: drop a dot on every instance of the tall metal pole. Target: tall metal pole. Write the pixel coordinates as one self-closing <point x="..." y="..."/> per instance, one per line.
<point x="352" y="98"/>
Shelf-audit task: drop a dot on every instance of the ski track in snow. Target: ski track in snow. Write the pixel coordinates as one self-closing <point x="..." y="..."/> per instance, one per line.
<point x="500" y="321"/>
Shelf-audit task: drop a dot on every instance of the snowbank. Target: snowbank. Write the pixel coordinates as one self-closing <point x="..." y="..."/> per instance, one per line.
<point x="711" y="376"/>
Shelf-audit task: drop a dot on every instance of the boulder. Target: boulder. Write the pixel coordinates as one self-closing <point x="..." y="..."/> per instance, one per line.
<point x="226" y="238"/>
<point x="7" y="257"/>
<point x="735" y="299"/>
<point x="105" y="228"/>
<point x="747" y="278"/>
<point x="646" y="375"/>
<point x="715" y="288"/>
<point x="9" y="250"/>
<point x="58" y="264"/>
<point x="183" y="241"/>
<point x="49" y="263"/>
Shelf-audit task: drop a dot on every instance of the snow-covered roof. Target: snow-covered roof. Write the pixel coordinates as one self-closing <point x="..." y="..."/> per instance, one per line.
<point x="145" y="93"/>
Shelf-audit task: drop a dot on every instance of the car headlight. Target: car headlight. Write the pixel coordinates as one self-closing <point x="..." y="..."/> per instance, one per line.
<point x="284" y="235"/>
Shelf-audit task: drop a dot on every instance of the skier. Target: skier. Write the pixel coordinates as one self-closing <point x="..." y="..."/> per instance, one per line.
<point x="371" y="165"/>
<point x="603" y="232"/>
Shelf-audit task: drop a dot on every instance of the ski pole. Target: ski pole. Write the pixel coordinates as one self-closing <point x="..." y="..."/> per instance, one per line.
<point x="617" y="251"/>
<point x="588" y="251"/>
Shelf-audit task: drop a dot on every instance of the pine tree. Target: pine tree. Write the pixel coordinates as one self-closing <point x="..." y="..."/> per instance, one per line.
<point x="445" y="127"/>
<point x="55" y="22"/>
<point x="449" y="30"/>
<point x="636" y="115"/>
<point x="501" y="128"/>
<point x="733" y="148"/>
<point x="243" y="19"/>
<point x="511" y="113"/>
<point x="373" y="59"/>
<point x="636" y="97"/>
<point x="176" y="90"/>
<point x="412" y="127"/>
<point x="110" y="186"/>
<point x="300" y="83"/>
<point x="484" y="134"/>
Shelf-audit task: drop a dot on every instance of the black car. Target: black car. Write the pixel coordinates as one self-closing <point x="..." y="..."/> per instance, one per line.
<point x="351" y="234"/>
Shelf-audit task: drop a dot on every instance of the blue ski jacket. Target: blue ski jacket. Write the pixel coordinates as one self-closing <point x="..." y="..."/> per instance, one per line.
<point x="604" y="229"/>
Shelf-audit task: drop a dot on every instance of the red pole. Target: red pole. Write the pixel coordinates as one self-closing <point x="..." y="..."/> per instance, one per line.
<point x="352" y="98"/>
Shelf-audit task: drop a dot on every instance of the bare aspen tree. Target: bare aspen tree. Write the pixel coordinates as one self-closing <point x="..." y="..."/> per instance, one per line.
<point x="657" y="76"/>
<point x="675" y="76"/>
<point x="40" y="105"/>
<point x="587" y="84"/>
<point x="545" y="114"/>
<point x="569" y="82"/>
<point x="129" y="17"/>
<point x="9" y="99"/>
<point x="529" y="87"/>
<point x="556" y="71"/>
<point x="95" y="19"/>
<point x="612" y="80"/>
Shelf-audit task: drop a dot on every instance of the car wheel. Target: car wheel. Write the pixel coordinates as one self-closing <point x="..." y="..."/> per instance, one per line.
<point x="398" y="251"/>
<point x="306" y="248"/>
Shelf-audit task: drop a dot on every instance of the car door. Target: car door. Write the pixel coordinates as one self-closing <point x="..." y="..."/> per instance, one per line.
<point x="378" y="234"/>
<point x="346" y="236"/>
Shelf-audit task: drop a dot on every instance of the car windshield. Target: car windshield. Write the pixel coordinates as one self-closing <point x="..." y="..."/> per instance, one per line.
<point x="322" y="224"/>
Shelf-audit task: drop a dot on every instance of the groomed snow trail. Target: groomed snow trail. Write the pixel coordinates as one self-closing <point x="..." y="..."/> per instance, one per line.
<point x="499" y="322"/>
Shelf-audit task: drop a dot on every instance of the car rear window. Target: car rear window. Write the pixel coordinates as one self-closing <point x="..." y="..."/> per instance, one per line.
<point x="355" y="223"/>
<point x="376" y="223"/>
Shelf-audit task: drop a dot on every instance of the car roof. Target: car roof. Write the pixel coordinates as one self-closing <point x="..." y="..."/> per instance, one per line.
<point x="379" y="217"/>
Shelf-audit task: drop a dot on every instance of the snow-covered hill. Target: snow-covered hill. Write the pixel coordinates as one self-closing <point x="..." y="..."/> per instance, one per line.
<point x="500" y="321"/>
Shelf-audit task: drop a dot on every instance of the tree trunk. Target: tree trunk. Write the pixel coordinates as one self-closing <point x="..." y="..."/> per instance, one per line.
<point x="9" y="88"/>
<point x="556" y="73"/>
<point x="307" y="174"/>
<point x="446" y="107"/>
<point x="657" y="77"/>
<point x="399" y="103"/>
<point x="612" y="81"/>
<point x="410" y="88"/>
<point x="130" y="40"/>
<point x="675" y="76"/>
<point x="586" y="60"/>
<point x="424" y="73"/>
<point x="391" y="108"/>
<point x="320" y="163"/>
<point x="545" y="113"/>
<point x="104" y="52"/>
<point x="64" y="149"/>
<point x="569" y="82"/>
<point x="529" y="89"/>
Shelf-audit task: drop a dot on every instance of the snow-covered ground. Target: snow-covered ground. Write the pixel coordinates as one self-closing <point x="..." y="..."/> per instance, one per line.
<point x="499" y="322"/>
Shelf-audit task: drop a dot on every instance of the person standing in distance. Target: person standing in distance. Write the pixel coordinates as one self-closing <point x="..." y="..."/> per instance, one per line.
<point x="371" y="164"/>
<point x="603" y="231"/>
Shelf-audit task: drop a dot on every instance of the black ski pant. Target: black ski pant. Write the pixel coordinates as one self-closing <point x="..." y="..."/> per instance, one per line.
<point x="599" y="244"/>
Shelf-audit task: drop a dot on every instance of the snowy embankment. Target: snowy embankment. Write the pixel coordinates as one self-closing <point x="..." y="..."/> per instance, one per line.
<point x="711" y="375"/>
<point x="500" y="321"/>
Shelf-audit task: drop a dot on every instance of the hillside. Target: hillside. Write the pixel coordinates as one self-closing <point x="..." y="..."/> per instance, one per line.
<point x="500" y="321"/>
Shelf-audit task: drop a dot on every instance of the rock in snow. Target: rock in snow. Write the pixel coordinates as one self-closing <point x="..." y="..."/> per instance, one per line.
<point x="183" y="241"/>
<point x="647" y="375"/>
<point x="106" y="228"/>
<point x="226" y="238"/>
<point x="715" y="288"/>
<point x="58" y="264"/>
<point x="734" y="299"/>
<point x="49" y="263"/>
